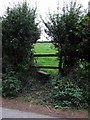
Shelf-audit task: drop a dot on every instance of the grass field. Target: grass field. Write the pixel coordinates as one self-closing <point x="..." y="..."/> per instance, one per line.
<point x="46" y="48"/>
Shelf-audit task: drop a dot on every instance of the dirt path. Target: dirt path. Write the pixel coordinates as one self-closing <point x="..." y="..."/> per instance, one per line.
<point x="16" y="104"/>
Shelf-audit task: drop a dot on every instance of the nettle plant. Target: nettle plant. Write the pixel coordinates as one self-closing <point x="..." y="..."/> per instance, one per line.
<point x="10" y="85"/>
<point x="66" y="93"/>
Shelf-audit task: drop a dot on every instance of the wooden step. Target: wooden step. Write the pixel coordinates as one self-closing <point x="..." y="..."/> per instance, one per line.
<point x="43" y="76"/>
<point x="43" y="73"/>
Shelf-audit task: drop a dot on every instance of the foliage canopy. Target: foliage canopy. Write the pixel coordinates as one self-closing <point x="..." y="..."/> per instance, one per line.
<point x="19" y="32"/>
<point x="70" y="34"/>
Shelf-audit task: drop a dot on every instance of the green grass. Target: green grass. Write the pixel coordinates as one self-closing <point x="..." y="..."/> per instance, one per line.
<point x="46" y="48"/>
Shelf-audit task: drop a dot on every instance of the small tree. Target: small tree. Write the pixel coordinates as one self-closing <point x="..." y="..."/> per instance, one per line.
<point x="62" y="28"/>
<point x="19" y="32"/>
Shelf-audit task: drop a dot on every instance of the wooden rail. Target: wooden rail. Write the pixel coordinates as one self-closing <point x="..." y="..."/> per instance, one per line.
<point x="48" y="67"/>
<point x="45" y="55"/>
<point x="44" y="42"/>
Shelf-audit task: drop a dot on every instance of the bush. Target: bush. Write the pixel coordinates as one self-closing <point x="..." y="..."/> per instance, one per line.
<point x="62" y="30"/>
<point x="66" y="93"/>
<point x="19" y="32"/>
<point x="10" y="85"/>
<point x="70" y="33"/>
